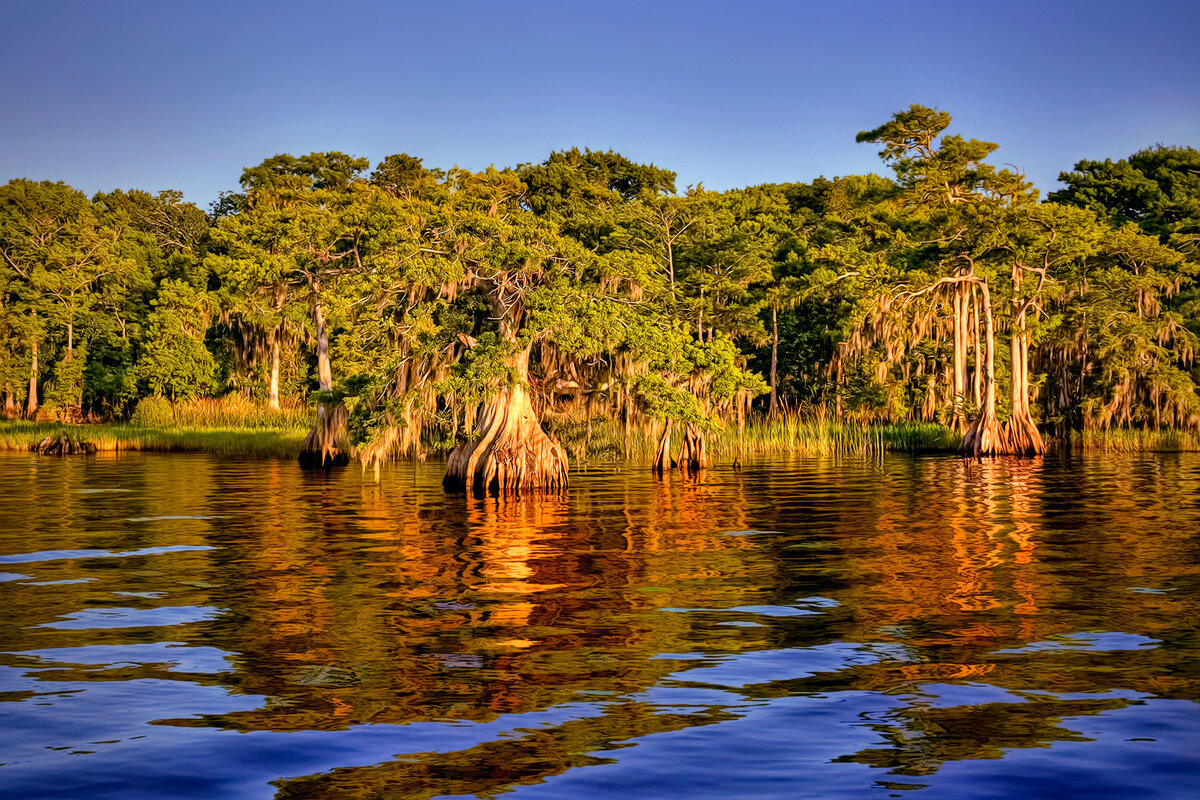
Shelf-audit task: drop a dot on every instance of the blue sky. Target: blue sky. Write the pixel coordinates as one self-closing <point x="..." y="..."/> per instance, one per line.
<point x="177" y="94"/>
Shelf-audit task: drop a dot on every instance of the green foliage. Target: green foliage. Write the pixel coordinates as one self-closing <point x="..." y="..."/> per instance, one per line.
<point x="154" y="411"/>
<point x="282" y="444"/>
<point x="588" y="279"/>
<point x="65" y="389"/>
<point x="175" y="361"/>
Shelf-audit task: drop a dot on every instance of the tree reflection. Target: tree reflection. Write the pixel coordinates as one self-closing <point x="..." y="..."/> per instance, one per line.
<point x="984" y="605"/>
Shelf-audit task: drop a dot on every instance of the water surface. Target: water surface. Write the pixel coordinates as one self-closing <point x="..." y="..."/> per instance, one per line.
<point x="185" y="627"/>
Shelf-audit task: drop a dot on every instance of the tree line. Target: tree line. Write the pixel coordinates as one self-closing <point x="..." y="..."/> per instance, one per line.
<point x="415" y="305"/>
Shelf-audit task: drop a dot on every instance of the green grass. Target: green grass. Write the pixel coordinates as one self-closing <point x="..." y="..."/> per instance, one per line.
<point x="238" y="428"/>
<point x="921" y="437"/>
<point x="223" y="441"/>
<point x="1127" y="440"/>
<point x="229" y="426"/>
<point x="784" y="435"/>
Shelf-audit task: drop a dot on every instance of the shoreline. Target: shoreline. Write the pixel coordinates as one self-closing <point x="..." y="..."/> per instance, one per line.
<point x="759" y="439"/>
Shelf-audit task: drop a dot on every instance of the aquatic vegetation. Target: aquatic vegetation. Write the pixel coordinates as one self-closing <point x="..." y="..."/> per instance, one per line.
<point x="1138" y="440"/>
<point x="232" y="442"/>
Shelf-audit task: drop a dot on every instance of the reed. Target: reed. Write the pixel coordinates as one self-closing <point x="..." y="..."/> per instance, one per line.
<point x="786" y="434"/>
<point x="234" y="412"/>
<point x="239" y="428"/>
<point x="229" y="442"/>
<point x="1139" y="440"/>
<point x="229" y="427"/>
<point x="921" y="437"/>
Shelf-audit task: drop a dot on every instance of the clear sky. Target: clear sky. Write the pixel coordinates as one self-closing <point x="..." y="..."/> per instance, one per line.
<point x="156" y="94"/>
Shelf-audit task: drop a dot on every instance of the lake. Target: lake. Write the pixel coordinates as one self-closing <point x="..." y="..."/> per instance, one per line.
<point x="178" y="626"/>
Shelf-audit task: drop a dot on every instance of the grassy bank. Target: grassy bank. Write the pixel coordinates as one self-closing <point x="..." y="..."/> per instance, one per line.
<point x="230" y="426"/>
<point x="241" y="429"/>
<point x="260" y="434"/>
<point x="232" y="442"/>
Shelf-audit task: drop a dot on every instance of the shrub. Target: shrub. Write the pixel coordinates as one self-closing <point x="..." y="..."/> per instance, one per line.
<point x="153" y="412"/>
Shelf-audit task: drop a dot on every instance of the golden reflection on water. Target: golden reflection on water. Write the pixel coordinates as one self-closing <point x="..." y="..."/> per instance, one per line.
<point x="341" y="602"/>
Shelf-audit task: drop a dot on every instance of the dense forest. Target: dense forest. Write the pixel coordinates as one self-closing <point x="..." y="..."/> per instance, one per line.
<point x="417" y="308"/>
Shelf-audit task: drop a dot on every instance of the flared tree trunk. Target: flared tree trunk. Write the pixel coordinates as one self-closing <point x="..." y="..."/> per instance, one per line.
<point x="31" y="402"/>
<point x="328" y="443"/>
<point x="985" y="437"/>
<point x="512" y="454"/>
<point x="1021" y="432"/>
<point x="662" y="458"/>
<point x="693" y="454"/>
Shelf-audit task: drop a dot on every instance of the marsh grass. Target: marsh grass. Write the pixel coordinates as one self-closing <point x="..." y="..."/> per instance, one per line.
<point x="230" y="427"/>
<point x="246" y="443"/>
<point x="235" y="427"/>
<point x="1168" y="440"/>
<point x="238" y="413"/>
<point x="784" y="435"/>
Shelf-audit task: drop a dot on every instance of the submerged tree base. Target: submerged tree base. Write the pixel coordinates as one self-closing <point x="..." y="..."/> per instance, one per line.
<point x="662" y="456"/>
<point x="64" y="443"/>
<point x="693" y="453"/>
<point x="1023" y="437"/>
<point x="512" y="455"/>
<point x="328" y="444"/>
<point x="987" y="437"/>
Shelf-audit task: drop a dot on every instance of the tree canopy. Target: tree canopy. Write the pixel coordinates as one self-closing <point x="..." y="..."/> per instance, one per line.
<point x="587" y="286"/>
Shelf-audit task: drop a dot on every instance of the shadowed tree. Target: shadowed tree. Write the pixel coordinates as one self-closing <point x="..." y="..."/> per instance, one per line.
<point x="55" y="252"/>
<point x="295" y="235"/>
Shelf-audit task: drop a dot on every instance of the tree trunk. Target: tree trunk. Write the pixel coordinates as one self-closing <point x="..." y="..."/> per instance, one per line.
<point x="10" y="402"/>
<point x="958" y="420"/>
<point x="324" y="370"/>
<point x="985" y="437"/>
<point x="1020" y="430"/>
<point x="774" y="410"/>
<point x="328" y="443"/>
<point x="31" y="404"/>
<point x="837" y="393"/>
<point x="273" y="398"/>
<point x="276" y="346"/>
<point x="693" y="452"/>
<point x="512" y="455"/>
<point x="662" y="459"/>
<point x="978" y="372"/>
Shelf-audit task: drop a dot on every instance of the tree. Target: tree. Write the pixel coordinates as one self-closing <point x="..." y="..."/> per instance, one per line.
<point x="55" y="251"/>
<point x="174" y="361"/>
<point x="1131" y="311"/>
<point x="160" y="238"/>
<point x="294" y="236"/>
<point x="971" y="207"/>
